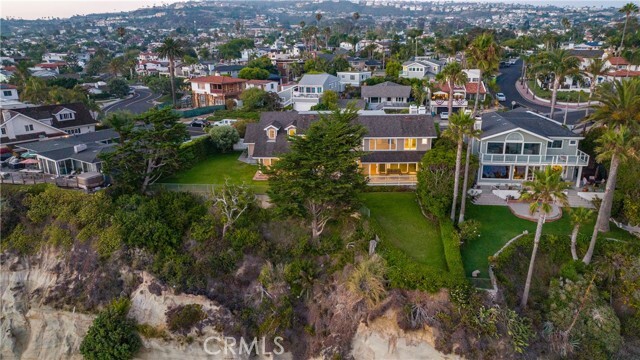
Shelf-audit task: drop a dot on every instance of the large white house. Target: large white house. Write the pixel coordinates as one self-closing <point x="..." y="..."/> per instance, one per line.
<point x="306" y="93"/>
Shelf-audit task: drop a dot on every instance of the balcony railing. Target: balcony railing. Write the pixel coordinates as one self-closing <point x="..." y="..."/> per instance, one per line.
<point x="388" y="104"/>
<point x="444" y="102"/>
<point x="581" y="159"/>
<point x="306" y="95"/>
<point x="388" y="180"/>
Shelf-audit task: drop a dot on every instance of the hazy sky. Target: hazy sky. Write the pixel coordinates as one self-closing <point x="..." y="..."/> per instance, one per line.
<point x="34" y="9"/>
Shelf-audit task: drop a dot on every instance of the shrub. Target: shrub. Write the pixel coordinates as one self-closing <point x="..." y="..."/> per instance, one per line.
<point x="112" y="335"/>
<point x="183" y="318"/>
<point x="224" y="137"/>
<point x="23" y="241"/>
<point x="244" y="238"/>
<point x="151" y="332"/>
<point x="469" y="230"/>
<point x="192" y="152"/>
<point x="58" y="236"/>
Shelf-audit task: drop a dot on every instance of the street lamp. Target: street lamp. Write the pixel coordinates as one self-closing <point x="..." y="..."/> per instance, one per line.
<point x="513" y="104"/>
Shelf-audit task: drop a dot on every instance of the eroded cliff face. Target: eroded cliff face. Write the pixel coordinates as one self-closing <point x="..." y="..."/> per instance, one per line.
<point x="31" y="328"/>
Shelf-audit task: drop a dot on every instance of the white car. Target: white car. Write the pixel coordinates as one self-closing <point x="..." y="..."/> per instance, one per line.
<point x="513" y="61"/>
<point x="501" y="97"/>
<point x="224" y="122"/>
<point x="444" y="115"/>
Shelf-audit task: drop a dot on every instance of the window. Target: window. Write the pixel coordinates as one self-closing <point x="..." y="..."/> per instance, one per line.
<point x="531" y="149"/>
<point x="519" y="172"/>
<point x="271" y="133"/>
<point x="7" y="93"/>
<point x="382" y="144"/>
<point x="4" y="131"/>
<point x="573" y="142"/>
<point x="352" y="77"/>
<point x="200" y="86"/>
<point x="495" y="148"/>
<point x="73" y="131"/>
<point x="513" y="148"/>
<point x="495" y="172"/>
<point x="425" y="141"/>
<point x="555" y="144"/>
<point x="292" y="132"/>
<point x="65" y="116"/>
<point x="28" y="127"/>
<point x="410" y="144"/>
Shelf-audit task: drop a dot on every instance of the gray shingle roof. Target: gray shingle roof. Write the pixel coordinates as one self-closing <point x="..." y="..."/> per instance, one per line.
<point x="82" y="114"/>
<point x="376" y="125"/>
<point x="495" y="123"/>
<point x="70" y="141"/>
<point x="316" y="79"/>
<point x="386" y="89"/>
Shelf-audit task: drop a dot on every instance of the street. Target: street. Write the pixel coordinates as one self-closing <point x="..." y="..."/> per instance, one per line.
<point x="507" y="82"/>
<point x="141" y="101"/>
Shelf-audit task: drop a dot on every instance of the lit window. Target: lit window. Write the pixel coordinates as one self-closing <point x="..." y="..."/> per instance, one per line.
<point x="271" y="133"/>
<point x="410" y="144"/>
<point x="292" y="132"/>
<point x="425" y="141"/>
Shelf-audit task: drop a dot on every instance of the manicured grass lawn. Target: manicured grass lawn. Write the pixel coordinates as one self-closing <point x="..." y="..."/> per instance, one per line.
<point x="499" y="225"/>
<point x="404" y="225"/>
<point x="217" y="168"/>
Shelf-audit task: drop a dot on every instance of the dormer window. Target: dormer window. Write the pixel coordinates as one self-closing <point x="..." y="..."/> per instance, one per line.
<point x="291" y="130"/>
<point x="66" y="115"/>
<point x="271" y="134"/>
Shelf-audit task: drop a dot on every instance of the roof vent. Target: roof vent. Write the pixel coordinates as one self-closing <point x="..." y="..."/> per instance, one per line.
<point x="79" y="148"/>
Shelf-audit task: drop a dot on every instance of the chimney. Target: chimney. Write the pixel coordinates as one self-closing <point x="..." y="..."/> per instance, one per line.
<point x="478" y="123"/>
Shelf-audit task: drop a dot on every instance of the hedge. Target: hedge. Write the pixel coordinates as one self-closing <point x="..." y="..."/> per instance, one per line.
<point x="195" y="151"/>
<point x="451" y="242"/>
<point x="200" y="111"/>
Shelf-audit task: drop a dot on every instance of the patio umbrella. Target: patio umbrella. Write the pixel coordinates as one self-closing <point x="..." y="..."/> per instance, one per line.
<point x="29" y="162"/>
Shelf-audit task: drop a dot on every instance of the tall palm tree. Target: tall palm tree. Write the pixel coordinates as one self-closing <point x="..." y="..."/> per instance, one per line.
<point x="470" y="133"/>
<point x="619" y="106"/>
<point x="117" y="66"/>
<point x="595" y="69"/>
<point x="617" y="146"/>
<point x="546" y="189"/>
<point x="566" y="24"/>
<point x="579" y="216"/>
<point x="35" y="91"/>
<point x="458" y="125"/>
<point x="327" y="34"/>
<point x="632" y="56"/>
<point x="628" y="9"/>
<point x="452" y="75"/>
<point x="484" y="55"/>
<point x="172" y="50"/>
<point x="561" y="64"/>
<point x="318" y="18"/>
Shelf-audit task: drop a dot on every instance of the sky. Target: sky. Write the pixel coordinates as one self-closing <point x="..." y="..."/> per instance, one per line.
<point x="34" y="9"/>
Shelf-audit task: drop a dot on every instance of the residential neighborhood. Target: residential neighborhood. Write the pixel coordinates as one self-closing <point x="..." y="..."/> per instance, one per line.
<point x="323" y="179"/>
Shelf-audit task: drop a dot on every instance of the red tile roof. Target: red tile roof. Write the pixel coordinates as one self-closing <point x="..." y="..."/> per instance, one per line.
<point x="469" y="88"/>
<point x="618" y="61"/>
<point x="217" y="79"/>
<point x="624" y="73"/>
<point x="260" y="82"/>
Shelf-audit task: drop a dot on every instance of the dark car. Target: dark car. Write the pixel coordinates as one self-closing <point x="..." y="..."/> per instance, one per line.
<point x="201" y="123"/>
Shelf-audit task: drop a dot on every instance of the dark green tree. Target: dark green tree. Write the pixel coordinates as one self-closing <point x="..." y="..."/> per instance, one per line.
<point x="118" y="87"/>
<point x="319" y="178"/>
<point x="147" y="152"/>
<point x="251" y="73"/>
<point x="112" y="335"/>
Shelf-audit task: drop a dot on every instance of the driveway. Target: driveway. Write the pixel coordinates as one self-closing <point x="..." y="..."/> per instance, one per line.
<point x="141" y="101"/>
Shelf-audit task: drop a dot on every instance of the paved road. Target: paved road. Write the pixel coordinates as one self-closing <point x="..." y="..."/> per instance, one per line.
<point x="507" y="82"/>
<point x="141" y="101"/>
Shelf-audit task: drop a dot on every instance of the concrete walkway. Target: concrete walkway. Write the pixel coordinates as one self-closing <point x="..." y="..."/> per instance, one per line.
<point x="521" y="210"/>
<point x="526" y="93"/>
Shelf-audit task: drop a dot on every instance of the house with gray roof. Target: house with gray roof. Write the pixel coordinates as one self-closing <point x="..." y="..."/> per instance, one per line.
<point x="386" y="95"/>
<point x="394" y="144"/>
<point x="421" y="68"/>
<point x="308" y="91"/>
<point x="72" y="153"/>
<point x="38" y="122"/>
<point x="515" y="143"/>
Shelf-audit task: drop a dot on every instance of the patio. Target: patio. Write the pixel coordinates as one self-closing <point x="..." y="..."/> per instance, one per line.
<point x="495" y="195"/>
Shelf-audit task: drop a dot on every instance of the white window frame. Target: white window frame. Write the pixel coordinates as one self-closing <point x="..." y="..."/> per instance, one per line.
<point x="573" y="142"/>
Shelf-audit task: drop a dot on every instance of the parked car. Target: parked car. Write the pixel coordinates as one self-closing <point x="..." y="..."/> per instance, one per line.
<point x="501" y="97"/>
<point x="444" y="115"/>
<point x="201" y="123"/>
<point x="224" y="122"/>
<point x="512" y="61"/>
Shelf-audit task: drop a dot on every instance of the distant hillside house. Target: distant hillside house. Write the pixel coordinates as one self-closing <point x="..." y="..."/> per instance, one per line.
<point x="215" y="90"/>
<point x="394" y="144"/>
<point x="39" y="122"/>
<point x="265" y="85"/>
<point x="352" y="78"/>
<point x="421" y="68"/>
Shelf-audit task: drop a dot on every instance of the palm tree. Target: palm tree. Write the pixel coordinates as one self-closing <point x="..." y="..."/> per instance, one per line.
<point x="579" y="216"/>
<point x="483" y="54"/>
<point x="459" y="123"/>
<point x="117" y="66"/>
<point x="562" y="64"/>
<point x="172" y="50"/>
<point x="318" y="18"/>
<point x="628" y="9"/>
<point x="452" y="75"/>
<point x="471" y="133"/>
<point x="619" y="105"/>
<point x="418" y="92"/>
<point x="35" y="91"/>
<point x="327" y="33"/>
<point x="594" y="70"/>
<point x="566" y="24"/>
<point x="617" y="146"/>
<point x="121" y="32"/>
<point x="546" y="188"/>
<point x="633" y="57"/>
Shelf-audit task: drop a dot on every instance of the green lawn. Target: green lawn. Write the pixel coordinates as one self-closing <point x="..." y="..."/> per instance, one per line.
<point x="217" y="168"/>
<point x="499" y="225"/>
<point x="404" y="225"/>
